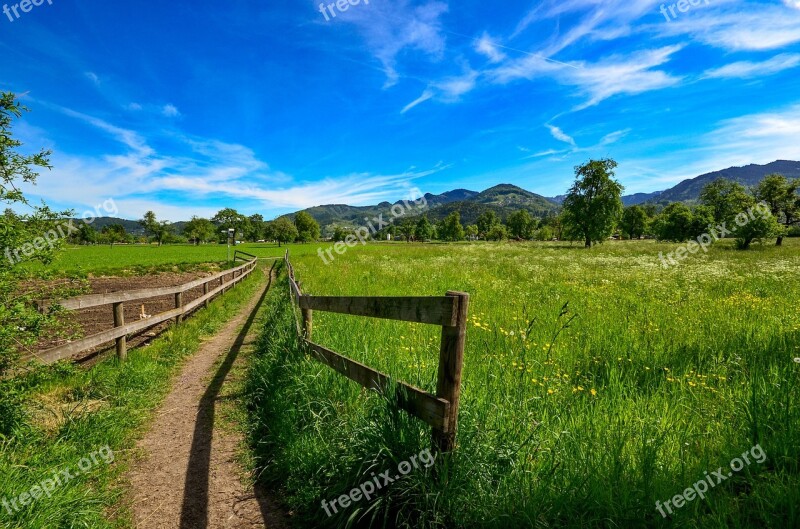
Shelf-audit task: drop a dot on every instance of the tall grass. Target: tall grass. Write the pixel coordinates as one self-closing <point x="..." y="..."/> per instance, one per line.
<point x="595" y="384"/>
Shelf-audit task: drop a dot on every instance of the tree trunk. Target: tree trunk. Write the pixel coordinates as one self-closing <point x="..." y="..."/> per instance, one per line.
<point x="588" y="242"/>
<point x="780" y="241"/>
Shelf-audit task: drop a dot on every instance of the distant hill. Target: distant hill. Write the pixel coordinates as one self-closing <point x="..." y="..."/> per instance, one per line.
<point x="641" y="198"/>
<point x="457" y="195"/>
<point x="689" y="190"/>
<point x="503" y="199"/>
<point x="131" y="226"/>
<point x="749" y="175"/>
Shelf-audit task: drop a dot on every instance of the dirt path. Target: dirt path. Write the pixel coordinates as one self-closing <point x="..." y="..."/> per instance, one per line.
<point x="189" y="477"/>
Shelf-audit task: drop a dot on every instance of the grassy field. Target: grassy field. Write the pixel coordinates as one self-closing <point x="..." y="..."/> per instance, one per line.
<point x="141" y="259"/>
<point x="596" y="383"/>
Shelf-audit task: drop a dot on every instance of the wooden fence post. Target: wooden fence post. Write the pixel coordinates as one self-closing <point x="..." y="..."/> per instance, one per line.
<point x="179" y="304"/>
<point x="451" y="362"/>
<point x="308" y="325"/>
<point x="308" y="315"/>
<point x="122" y="341"/>
<point x="205" y="292"/>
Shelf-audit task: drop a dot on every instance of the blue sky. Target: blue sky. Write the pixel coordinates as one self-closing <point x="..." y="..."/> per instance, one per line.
<point x="187" y="107"/>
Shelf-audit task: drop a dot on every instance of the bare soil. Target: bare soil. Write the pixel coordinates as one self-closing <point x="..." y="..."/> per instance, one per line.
<point x="188" y="477"/>
<point x="86" y="322"/>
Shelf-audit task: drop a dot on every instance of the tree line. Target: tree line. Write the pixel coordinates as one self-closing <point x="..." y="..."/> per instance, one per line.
<point x="199" y="230"/>
<point x="593" y="211"/>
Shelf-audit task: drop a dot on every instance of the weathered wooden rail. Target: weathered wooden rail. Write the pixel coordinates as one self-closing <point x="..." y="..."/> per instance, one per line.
<point x="440" y="411"/>
<point x="117" y="300"/>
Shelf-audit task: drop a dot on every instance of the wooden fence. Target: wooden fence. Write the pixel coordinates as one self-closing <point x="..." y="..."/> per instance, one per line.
<point x="440" y="411"/>
<point x="118" y="299"/>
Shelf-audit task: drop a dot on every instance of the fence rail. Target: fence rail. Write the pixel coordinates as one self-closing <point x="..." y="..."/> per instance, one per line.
<point x="440" y="411"/>
<point x="118" y="299"/>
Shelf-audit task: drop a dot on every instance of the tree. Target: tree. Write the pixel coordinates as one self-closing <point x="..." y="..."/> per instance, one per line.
<point x="114" y="233"/>
<point x="754" y="223"/>
<point x="634" y="222"/>
<point x="22" y="237"/>
<point x="269" y="231"/>
<point x="781" y="196"/>
<point x="556" y="225"/>
<point x="255" y="228"/>
<point x="678" y="223"/>
<point x="486" y="221"/>
<point x="451" y="228"/>
<point x="423" y="231"/>
<point x="408" y="229"/>
<point x="340" y="234"/>
<point x="545" y="233"/>
<point x="284" y="231"/>
<point x="594" y="202"/>
<point x="200" y="230"/>
<point x="227" y="219"/>
<point x="307" y="228"/>
<point x="725" y="198"/>
<point x="520" y="225"/>
<point x="471" y="232"/>
<point x="85" y="234"/>
<point x="497" y="233"/>
<point x="160" y="231"/>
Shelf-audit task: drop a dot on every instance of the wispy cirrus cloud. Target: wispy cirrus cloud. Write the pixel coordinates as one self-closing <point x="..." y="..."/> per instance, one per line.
<point x="193" y="170"/>
<point x="390" y="28"/>
<point x="747" y="69"/>
<point x="447" y="90"/>
<point x="487" y="46"/>
<point x="762" y="27"/>
<point x="560" y="135"/>
<point x="613" y="75"/>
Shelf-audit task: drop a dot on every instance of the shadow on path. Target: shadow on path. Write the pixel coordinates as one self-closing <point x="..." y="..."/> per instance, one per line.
<point x="194" y="512"/>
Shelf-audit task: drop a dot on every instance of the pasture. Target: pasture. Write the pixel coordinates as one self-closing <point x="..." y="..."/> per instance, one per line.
<point x="596" y="383"/>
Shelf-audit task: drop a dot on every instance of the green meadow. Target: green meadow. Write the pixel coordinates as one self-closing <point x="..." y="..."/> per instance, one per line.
<point x="596" y="383"/>
<point x="144" y="259"/>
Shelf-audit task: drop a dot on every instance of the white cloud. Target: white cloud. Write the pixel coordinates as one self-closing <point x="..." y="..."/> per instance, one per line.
<point x="426" y="95"/>
<point x="792" y="3"/>
<point x="601" y="20"/>
<point x="614" y="137"/>
<point x="390" y="28"/>
<point x="92" y="77"/>
<point x="170" y="111"/>
<point x="559" y="134"/>
<point x="733" y="28"/>
<point x="129" y="138"/>
<point x="630" y="75"/>
<point x="746" y="69"/>
<point x="447" y="90"/>
<point x="754" y="138"/>
<point x="765" y="136"/>
<point x="486" y="46"/>
<point x="136" y="175"/>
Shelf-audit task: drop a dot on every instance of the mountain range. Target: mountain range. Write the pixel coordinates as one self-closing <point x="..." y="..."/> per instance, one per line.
<point x="506" y="198"/>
